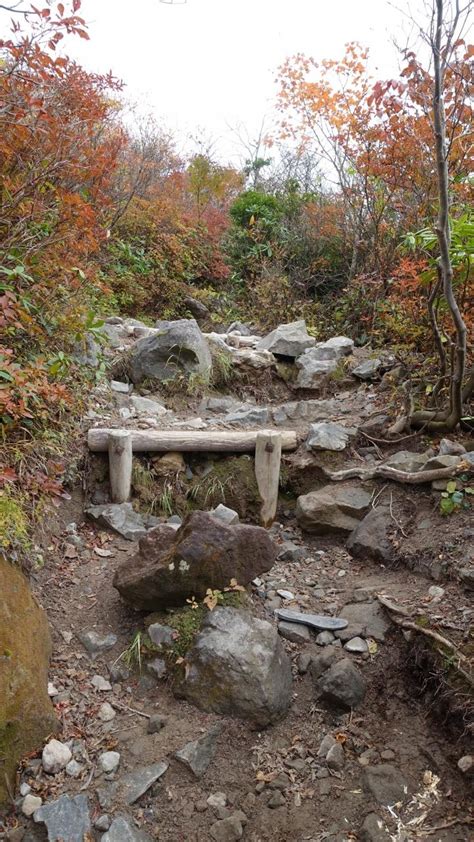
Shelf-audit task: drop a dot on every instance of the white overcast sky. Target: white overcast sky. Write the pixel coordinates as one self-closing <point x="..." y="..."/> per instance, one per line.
<point x="204" y="64"/>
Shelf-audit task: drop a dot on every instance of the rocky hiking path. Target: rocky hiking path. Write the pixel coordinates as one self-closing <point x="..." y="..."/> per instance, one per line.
<point x="314" y="704"/>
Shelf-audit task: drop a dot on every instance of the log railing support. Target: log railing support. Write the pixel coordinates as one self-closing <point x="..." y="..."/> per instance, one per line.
<point x="267" y="473"/>
<point x="120" y="465"/>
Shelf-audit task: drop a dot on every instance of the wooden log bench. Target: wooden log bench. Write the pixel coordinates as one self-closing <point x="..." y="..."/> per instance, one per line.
<point x="266" y="444"/>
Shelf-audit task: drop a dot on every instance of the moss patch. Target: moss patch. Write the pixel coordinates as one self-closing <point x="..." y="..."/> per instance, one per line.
<point x="231" y="482"/>
<point x="26" y="713"/>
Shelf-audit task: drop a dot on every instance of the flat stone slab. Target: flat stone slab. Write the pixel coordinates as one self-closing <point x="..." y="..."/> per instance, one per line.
<point x="67" y="818"/>
<point x="136" y="783"/>
<point x="315" y="621"/>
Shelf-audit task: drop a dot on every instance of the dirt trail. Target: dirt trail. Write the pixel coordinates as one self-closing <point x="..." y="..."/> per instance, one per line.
<point x="274" y="777"/>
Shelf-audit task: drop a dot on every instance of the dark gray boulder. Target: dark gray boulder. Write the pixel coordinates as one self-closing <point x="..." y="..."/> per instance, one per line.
<point x="173" y="348"/>
<point x="238" y="666"/>
<point x="342" y="685"/>
<point x="371" y="537"/>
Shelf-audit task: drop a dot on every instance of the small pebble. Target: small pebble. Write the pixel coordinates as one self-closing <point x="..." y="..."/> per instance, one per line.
<point x="466" y="763"/>
<point x="100" y="683"/>
<point x="103" y="822"/>
<point x="156" y="723"/>
<point x="31" y="803"/>
<point x="109" y="761"/>
<point x="25" y="789"/>
<point x="285" y="594"/>
<point x="217" y="799"/>
<point x="74" y="769"/>
<point x="106" y="712"/>
<point x="276" y="800"/>
<point x="324" y="638"/>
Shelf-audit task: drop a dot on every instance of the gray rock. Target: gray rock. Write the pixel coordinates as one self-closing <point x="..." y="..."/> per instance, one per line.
<point x="370" y="617"/>
<point x="386" y="783"/>
<point x="466" y="763"/>
<point x="221" y="404"/>
<point x="288" y="340"/>
<point x="313" y="373"/>
<point x="109" y="761"/>
<point x="466" y="574"/>
<point x="342" y="685"/>
<point x="356" y="645"/>
<point x="157" y="668"/>
<point x="315" y="621"/>
<point x="55" y="756"/>
<point x="114" y="335"/>
<point x="338" y="346"/>
<point x="238" y="666"/>
<point x="74" y="769"/>
<point x="86" y="351"/>
<point x="326" y="435"/>
<point x="311" y="410"/>
<point x="290" y="552"/>
<point x="31" y="803"/>
<point x="325" y="638"/>
<point x="332" y="509"/>
<point x="197" y="755"/>
<point x="371" y="537"/>
<point x="367" y="370"/>
<point x="405" y="460"/>
<point x="100" y="683"/>
<point x="328" y="742"/>
<point x="451" y="448"/>
<point x="120" y="517"/>
<point x="147" y="406"/>
<point x="248" y="417"/>
<point x="374" y="830"/>
<point x="66" y="819"/>
<point x="121" y="388"/>
<point x="106" y="712"/>
<point x="97" y="643"/>
<point x="276" y="800"/>
<point x="240" y="327"/>
<point x="253" y="358"/>
<point x="174" y="348"/>
<point x="103" y="822"/>
<point x="161" y="635"/>
<point x="227" y="830"/>
<point x="155" y="723"/>
<point x="122" y="829"/>
<point x="225" y="514"/>
<point x="133" y="785"/>
<point x="196" y="308"/>
<point x="294" y="632"/>
<point x="335" y="758"/>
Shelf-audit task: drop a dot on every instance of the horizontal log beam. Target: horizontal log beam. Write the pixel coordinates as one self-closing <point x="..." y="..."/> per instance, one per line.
<point x="212" y="441"/>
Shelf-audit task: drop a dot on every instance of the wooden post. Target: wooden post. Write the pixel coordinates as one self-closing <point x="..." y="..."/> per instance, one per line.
<point x="267" y="473"/>
<point x="120" y="465"/>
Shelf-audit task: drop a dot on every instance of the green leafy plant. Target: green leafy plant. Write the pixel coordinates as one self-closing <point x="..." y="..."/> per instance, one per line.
<point x="454" y="498"/>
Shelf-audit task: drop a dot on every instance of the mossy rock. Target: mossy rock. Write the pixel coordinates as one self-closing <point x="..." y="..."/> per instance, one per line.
<point x="231" y="482"/>
<point x="26" y="713"/>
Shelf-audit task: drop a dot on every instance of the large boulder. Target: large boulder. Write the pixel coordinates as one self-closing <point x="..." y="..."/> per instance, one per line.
<point x="238" y="666"/>
<point x="313" y="372"/>
<point x="290" y="340"/>
<point x="26" y="712"/>
<point x="204" y="553"/>
<point x="333" y="349"/>
<point x="332" y="509"/>
<point x="174" y="348"/>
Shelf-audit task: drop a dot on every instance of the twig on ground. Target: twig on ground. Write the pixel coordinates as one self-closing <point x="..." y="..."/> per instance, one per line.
<point x="410" y="625"/>
<point x="121" y="706"/>
<point x="396" y="522"/>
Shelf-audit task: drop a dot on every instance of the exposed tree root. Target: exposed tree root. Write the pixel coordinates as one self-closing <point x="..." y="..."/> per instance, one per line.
<point x="385" y="472"/>
<point x="401" y="616"/>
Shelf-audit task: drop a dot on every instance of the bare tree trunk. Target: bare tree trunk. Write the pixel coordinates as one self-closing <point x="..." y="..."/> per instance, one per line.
<point x="441" y="53"/>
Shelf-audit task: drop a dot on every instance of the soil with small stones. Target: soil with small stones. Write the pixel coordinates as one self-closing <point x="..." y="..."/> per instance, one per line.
<point x="395" y="724"/>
